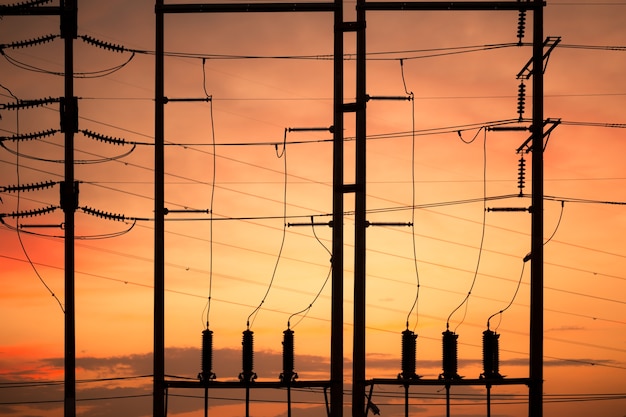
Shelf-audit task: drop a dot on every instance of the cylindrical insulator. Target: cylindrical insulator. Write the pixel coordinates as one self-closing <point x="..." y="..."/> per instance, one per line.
<point x="207" y="356"/>
<point x="521" y="100"/>
<point x="521" y="175"/>
<point x="521" y="25"/>
<point x="450" y="359"/>
<point x="409" y="343"/>
<point x="247" y="356"/>
<point x="491" y="354"/>
<point x="288" y="374"/>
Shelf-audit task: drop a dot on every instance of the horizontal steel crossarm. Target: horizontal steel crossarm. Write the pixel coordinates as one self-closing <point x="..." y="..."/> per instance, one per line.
<point x="238" y="384"/>
<point x="449" y="382"/>
<point x="249" y="7"/>
<point x="458" y="5"/>
<point x="30" y="11"/>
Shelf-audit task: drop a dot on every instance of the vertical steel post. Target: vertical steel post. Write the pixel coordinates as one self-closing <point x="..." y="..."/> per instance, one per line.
<point x="336" y="336"/>
<point x="358" y="368"/>
<point x="535" y="400"/>
<point x="69" y="198"/>
<point x="158" y="401"/>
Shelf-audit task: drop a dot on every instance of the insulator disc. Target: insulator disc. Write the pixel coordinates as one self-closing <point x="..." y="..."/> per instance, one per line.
<point x="521" y="25"/>
<point x="288" y="355"/>
<point x="207" y="355"/>
<point x="248" y="352"/>
<point x="409" y="342"/>
<point x="450" y="359"/>
<point x="521" y="99"/>
<point x="491" y="354"/>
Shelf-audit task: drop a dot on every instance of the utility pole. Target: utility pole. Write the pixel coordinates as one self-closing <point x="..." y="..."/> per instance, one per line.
<point x="336" y="333"/>
<point x="69" y="199"/>
<point x="158" y="398"/>
<point x="360" y="210"/>
<point x="535" y="400"/>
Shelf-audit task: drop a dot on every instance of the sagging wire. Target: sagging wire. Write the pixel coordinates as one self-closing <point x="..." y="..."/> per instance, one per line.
<point x="370" y="56"/>
<point x="211" y="203"/>
<point x="306" y="310"/>
<point x="282" y="154"/>
<point x="78" y="161"/>
<point x="467" y="142"/>
<point x="16" y="229"/>
<point x="85" y="38"/>
<point x="519" y="283"/>
<point x="558" y="223"/>
<point x="415" y="306"/>
<point x="482" y="240"/>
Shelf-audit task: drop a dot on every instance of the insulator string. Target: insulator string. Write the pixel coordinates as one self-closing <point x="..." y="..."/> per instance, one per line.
<point x="17" y="229"/>
<point x="521" y="175"/>
<point x="521" y="26"/>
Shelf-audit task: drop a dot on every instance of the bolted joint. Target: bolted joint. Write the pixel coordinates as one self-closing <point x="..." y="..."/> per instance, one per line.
<point x="69" y="196"/>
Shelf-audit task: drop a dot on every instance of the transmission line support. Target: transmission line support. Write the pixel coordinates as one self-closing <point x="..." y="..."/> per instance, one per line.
<point x="329" y="224"/>
<point x="167" y="211"/>
<point x="528" y="209"/>
<point x="404" y="224"/>
<point x="168" y="100"/>
<point x="41" y="226"/>
<point x="507" y="128"/>
<point x="388" y="98"/>
<point x="311" y="129"/>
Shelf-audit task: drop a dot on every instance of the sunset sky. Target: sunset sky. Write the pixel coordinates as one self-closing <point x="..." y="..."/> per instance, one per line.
<point x="431" y="162"/>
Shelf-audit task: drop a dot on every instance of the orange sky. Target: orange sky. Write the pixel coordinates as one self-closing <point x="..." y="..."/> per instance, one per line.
<point x="254" y="100"/>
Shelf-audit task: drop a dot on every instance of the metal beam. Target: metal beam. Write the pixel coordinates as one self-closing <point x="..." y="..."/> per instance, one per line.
<point x="158" y="399"/>
<point x="336" y="317"/>
<point x="360" y="226"/>
<point x="69" y="201"/>
<point x="213" y="384"/>
<point x="535" y="400"/>
<point x="450" y="382"/>
<point x="443" y="6"/>
<point x="30" y="11"/>
<point x="247" y="8"/>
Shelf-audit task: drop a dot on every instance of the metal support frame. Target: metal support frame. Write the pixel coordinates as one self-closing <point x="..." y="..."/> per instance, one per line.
<point x="535" y="381"/>
<point x="336" y="371"/>
<point x="68" y="14"/>
<point x="69" y="200"/>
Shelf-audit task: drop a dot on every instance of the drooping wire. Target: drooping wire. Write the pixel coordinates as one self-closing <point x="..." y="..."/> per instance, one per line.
<point x="519" y="283"/>
<point x="211" y="203"/>
<point x="90" y="74"/>
<point x="17" y="229"/>
<point x="415" y="306"/>
<point x="306" y="310"/>
<point x="482" y="240"/>
<point x="282" y="154"/>
<point x="526" y="258"/>
<point x="77" y="162"/>
<point x="558" y="223"/>
<point x="467" y="142"/>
